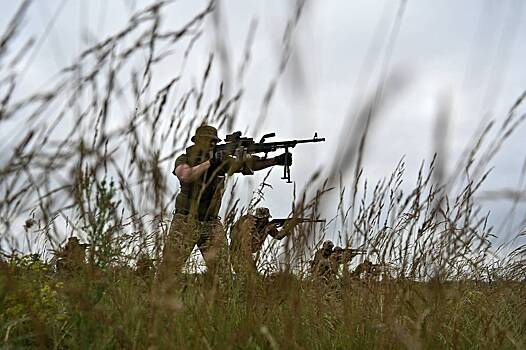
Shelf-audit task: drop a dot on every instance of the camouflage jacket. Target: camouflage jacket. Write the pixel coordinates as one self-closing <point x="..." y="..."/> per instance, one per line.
<point x="247" y="234"/>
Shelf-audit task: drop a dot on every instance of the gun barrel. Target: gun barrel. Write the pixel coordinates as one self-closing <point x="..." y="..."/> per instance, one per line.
<point x="350" y="251"/>
<point x="355" y="251"/>
<point x="313" y="220"/>
<point x="317" y="139"/>
<point x="272" y="146"/>
<point x="301" y="220"/>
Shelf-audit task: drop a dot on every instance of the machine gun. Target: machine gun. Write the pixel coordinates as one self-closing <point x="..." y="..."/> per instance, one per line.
<point x="242" y="148"/>
<point x="281" y="222"/>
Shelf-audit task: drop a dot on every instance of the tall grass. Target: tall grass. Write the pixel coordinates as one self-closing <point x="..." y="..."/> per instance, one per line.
<point x="76" y="170"/>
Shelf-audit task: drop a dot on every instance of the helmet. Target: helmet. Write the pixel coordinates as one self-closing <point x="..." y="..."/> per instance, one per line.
<point x="262" y="213"/>
<point x="205" y="131"/>
<point x="327" y="245"/>
<point x="75" y="242"/>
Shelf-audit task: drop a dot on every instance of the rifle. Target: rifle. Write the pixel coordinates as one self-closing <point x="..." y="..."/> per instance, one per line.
<point x="348" y="253"/>
<point x="281" y="222"/>
<point x="243" y="147"/>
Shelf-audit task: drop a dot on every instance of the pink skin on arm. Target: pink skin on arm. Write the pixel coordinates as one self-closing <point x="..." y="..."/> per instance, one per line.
<point x="188" y="174"/>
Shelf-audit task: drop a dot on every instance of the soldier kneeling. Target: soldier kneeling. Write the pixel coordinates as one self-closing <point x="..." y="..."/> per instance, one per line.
<point x="249" y="234"/>
<point x="328" y="258"/>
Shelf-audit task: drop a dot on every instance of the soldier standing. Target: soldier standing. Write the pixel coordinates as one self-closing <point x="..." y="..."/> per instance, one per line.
<point x="196" y="219"/>
<point x="249" y="234"/>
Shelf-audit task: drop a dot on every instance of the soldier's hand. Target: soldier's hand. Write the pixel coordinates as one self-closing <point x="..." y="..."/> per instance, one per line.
<point x="215" y="161"/>
<point x="228" y="164"/>
<point x="284" y="159"/>
<point x="291" y="223"/>
<point x="295" y="221"/>
<point x="221" y="161"/>
<point x="273" y="226"/>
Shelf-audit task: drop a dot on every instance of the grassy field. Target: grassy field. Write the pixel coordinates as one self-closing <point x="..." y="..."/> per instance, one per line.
<point x="119" y="308"/>
<point x="69" y="167"/>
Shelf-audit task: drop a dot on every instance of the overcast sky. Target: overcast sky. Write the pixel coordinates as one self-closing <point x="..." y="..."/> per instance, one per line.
<point x="467" y="53"/>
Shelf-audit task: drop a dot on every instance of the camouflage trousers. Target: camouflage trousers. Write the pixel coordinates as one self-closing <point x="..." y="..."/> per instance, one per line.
<point x="185" y="232"/>
<point x="242" y="246"/>
<point x="243" y="261"/>
<point x="323" y="268"/>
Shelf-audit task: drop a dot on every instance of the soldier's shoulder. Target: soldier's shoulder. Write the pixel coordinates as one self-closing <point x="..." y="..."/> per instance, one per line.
<point x="246" y="219"/>
<point x="318" y="254"/>
<point x="244" y="223"/>
<point x="181" y="159"/>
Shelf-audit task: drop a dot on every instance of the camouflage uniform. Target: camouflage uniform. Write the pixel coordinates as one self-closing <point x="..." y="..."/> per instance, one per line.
<point x="145" y="265"/>
<point x="248" y="235"/>
<point x="72" y="257"/>
<point x="196" y="219"/>
<point x="367" y="270"/>
<point x="321" y="265"/>
<point x="327" y="260"/>
<point x="185" y="232"/>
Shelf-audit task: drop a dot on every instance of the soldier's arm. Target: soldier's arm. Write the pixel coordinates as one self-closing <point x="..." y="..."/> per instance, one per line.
<point x="230" y="165"/>
<point x="255" y="163"/>
<point x="260" y="164"/>
<point x="285" y="231"/>
<point x="279" y="234"/>
<point x="188" y="174"/>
